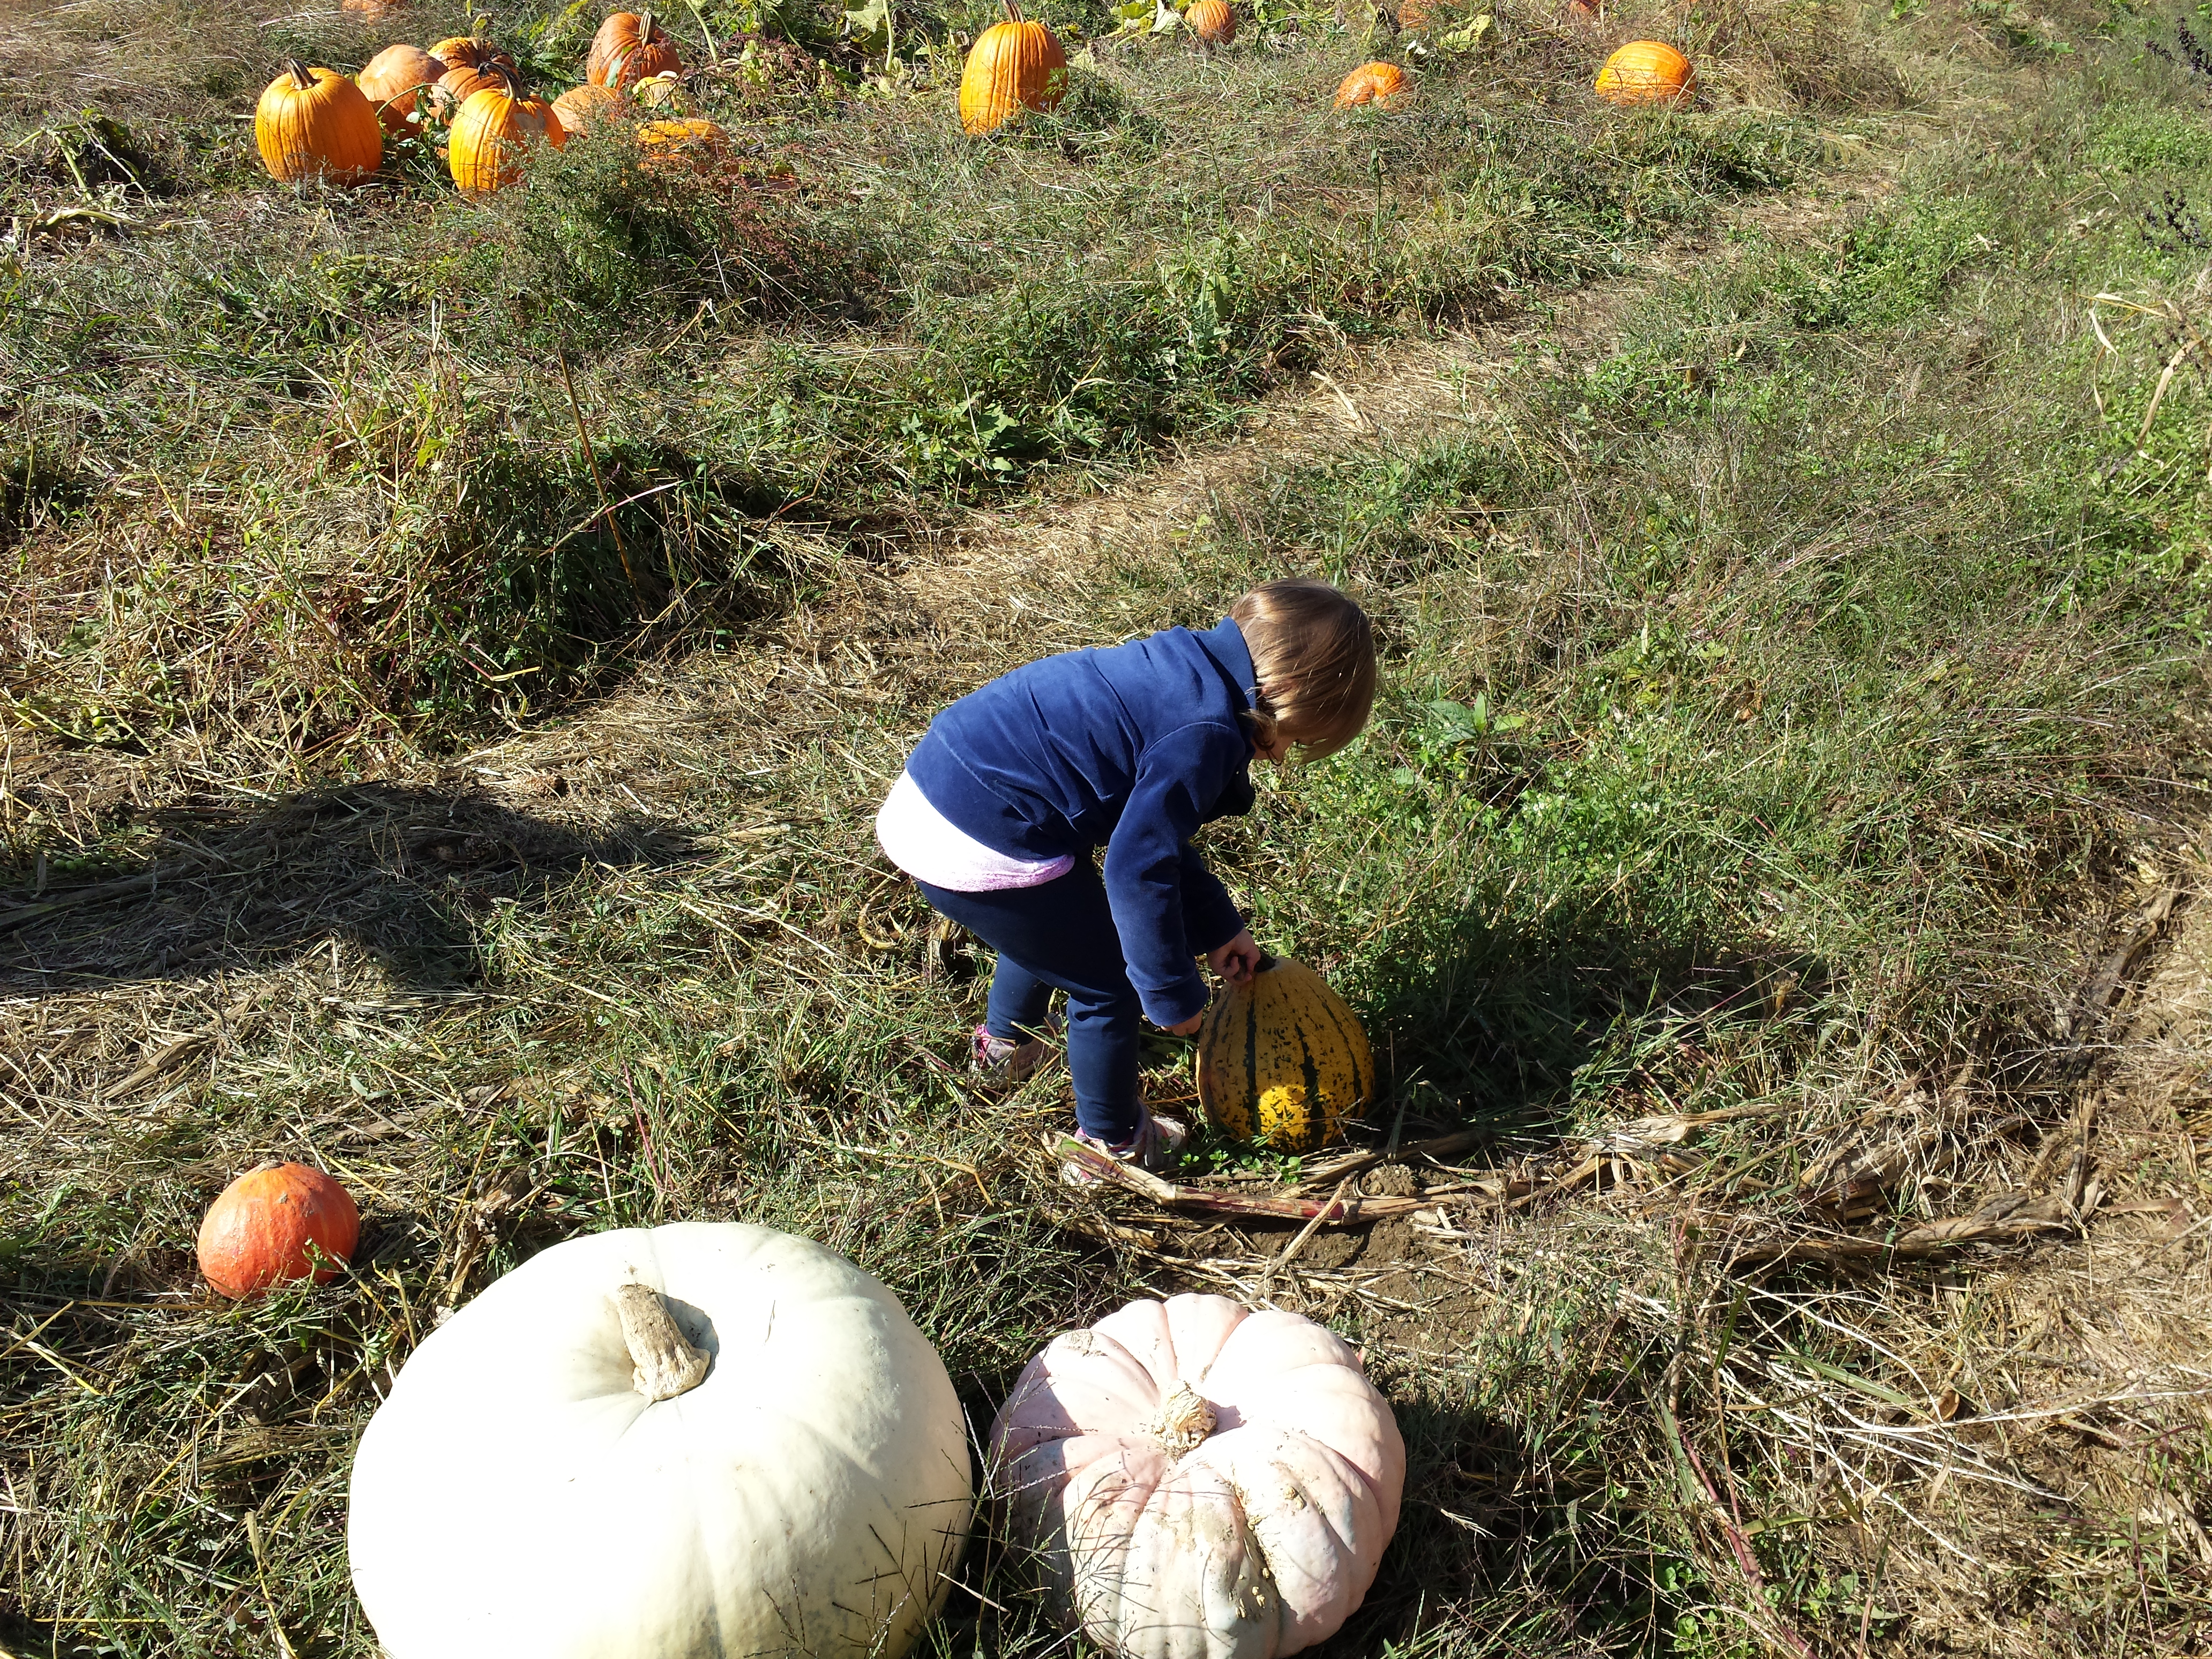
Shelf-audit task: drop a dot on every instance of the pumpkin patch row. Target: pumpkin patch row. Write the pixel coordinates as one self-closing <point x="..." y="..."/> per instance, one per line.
<point x="317" y="123"/>
<point x="314" y="123"/>
<point x="1020" y="65"/>
<point x="1641" y="72"/>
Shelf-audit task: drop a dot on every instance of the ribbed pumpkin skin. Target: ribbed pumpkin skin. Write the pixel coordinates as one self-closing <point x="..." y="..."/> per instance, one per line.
<point x="1211" y="22"/>
<point x="584" y="107"/>
<point x="628" y="48"/>
<point x="1017" y="64"/>
<point x="457" y="50"/>
<point x="258" y="1232"/>
<point x="1255" y="1543"/>
<point x="1371" y="84"/>
<point x="461" y="82"/>
<point x="1646" y="72"/>
<point x="324" y="128"/>
<point x="1281" y="1055"/>
<point x="389" y="81"/>
<point x="489" y="135"/>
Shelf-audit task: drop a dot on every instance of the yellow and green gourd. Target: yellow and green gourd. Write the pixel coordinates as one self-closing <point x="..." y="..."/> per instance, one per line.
<point x="1282" y="1057"/>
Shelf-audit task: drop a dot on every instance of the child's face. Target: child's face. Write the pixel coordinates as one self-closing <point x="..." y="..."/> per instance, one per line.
<point x="1277" y="749"/>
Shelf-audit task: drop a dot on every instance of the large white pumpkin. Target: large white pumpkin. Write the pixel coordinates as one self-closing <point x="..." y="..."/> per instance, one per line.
<point x="1201" y="1481"/>
<point x="563" y="1473"/>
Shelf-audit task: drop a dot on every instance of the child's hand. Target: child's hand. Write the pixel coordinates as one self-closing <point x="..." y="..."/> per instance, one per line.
<point x="1236" y="961"/>
<point x="1188" y="1028"/>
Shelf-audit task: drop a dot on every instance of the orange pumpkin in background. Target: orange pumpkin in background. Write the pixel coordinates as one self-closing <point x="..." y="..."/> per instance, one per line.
<point x="456" y="83"/>
<point x="275" y="1224"/>
<point x="694" y="142"/>
<point x="585" y="106"/>
<point x="1646" y="72"/>
<point x="1371" y="84"/>
<point x="1211" y="22"/>
<point x="472" y="50"/>
<point x="315" y="124"/>
<point x="491" y="132"/>
<point x="390" y="81"/>
<point x="1014" y="65"/>
<point x="630" y="46"/>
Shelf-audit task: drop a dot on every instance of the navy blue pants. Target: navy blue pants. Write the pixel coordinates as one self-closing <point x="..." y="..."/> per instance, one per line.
<point x="1061" y="936"/>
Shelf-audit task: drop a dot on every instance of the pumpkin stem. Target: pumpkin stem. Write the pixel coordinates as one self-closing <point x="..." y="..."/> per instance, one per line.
<point x="298" y="71"/>
<point x="665" y="1364"/>
<point x="1013" y="11"/>
<point x="1182" y="1422"/>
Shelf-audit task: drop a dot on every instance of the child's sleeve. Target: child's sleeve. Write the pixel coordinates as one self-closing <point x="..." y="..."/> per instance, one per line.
<point x="1153" y="879"/>
<point x="1210" y="916"/>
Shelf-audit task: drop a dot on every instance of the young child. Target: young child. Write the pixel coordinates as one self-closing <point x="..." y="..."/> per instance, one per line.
<point x="1133" y="748"/>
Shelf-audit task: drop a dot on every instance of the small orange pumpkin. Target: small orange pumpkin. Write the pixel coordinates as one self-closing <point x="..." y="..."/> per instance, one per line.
<point x="1211" y="22"/>
<point x="490" y="132"/>
<point x="314" y="123"/>
<point x="1014" y="65"/>
<point x="630" y="46"/>
<point x="390" y="81"/>
<point x="584" y="107"/>
<point x="1371" y="84"/>
<point x="1646" y="72"/>
<point x="275" y="1224"/>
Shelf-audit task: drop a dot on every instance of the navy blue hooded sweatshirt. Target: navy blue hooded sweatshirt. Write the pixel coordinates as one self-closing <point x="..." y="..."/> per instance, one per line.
<point x="1134" y="747"/>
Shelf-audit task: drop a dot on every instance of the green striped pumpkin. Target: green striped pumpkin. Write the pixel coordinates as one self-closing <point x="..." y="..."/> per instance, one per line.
<point x="1282" y="1057"/>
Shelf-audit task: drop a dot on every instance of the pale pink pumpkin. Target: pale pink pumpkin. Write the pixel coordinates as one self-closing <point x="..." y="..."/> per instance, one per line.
<point x="1201" y="1481"/>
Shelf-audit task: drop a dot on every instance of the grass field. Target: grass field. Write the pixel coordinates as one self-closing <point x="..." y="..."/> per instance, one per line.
<point x="1770" y="879"/>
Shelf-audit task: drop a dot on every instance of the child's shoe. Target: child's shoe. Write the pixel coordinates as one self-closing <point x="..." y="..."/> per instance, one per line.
<point x="1152" y="1148"/>
<point x="998" y="1063"/>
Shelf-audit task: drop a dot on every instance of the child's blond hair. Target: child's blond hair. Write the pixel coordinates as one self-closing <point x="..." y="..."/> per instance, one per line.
<point x="1313" y="656"/>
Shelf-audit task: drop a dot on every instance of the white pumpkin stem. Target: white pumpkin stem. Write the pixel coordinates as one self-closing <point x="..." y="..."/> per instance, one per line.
<point x="665" y="1365"/>
<point x="1182" y="1422"/>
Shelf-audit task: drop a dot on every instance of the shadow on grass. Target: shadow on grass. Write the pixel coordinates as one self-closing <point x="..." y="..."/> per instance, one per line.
<point x="1505" y="1544"/>
<point x="404" y="871"/>
<point x="1503" y="1027"/>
